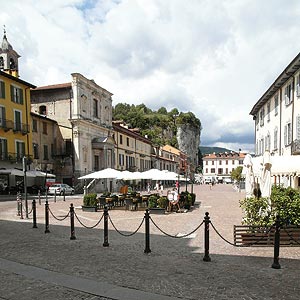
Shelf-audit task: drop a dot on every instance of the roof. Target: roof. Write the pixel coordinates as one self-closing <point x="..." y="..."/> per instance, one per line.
<point x="54" y="86"/>
<point x="290" y="70"/>
<point x="42" y="117"/>
<point x="4" y="74"/>
<point x="231" y="154"/>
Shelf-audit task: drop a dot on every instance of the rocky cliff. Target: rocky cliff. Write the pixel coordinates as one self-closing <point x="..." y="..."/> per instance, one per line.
<point x="188" y="138"/>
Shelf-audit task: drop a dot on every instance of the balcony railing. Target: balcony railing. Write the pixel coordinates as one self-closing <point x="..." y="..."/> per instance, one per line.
<point x="13" y="157"/>
<point x="296" y="147"/>
<point x="6" y="124"/>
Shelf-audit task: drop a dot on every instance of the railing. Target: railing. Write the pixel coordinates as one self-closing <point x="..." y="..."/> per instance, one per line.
<point x="13" y="157"/>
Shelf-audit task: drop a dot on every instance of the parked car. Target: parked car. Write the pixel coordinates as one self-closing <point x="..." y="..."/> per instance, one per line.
<point x="228" y="180"/>
<point x="60" y="189"/>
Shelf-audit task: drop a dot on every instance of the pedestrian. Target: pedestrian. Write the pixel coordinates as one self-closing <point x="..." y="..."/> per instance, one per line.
<point x="161" y="187"/>
<point x="148" y="187"/>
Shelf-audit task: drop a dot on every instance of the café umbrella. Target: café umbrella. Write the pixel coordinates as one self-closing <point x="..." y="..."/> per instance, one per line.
<point x="105" y="173"/>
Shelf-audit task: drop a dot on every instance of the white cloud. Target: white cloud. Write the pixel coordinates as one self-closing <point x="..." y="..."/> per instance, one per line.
<point x="214" y="58"/>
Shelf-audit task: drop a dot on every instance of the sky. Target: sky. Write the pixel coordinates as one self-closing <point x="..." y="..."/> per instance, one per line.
<point x="215" y="58"/>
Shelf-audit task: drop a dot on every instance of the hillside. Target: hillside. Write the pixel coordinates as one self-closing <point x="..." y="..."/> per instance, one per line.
<point x="206" y="150"/>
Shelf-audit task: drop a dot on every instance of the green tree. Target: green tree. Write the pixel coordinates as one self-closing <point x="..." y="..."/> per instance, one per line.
<point x="236" y="173"/>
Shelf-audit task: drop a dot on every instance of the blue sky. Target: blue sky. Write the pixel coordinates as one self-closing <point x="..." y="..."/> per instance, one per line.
<point x="214" y="58"/>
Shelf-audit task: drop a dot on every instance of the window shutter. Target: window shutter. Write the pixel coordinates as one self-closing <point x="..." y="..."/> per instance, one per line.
<point x="12" y="93"/>
<point x="2" y="89"/>
<point x="298" y="127"/>
<point x="21" y="96"/>
<point x="285" y="135"/>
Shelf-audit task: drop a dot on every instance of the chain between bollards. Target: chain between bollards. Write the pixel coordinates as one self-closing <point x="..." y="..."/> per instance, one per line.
<point x="276" y="264"/>
<point x="47" y="217"/>
<point x="206" y="237"/>
<point x="147" y="232"/>
<point x="34" y="214"/>
<point x="105" y="215"/>
<point x="72" y="237"/>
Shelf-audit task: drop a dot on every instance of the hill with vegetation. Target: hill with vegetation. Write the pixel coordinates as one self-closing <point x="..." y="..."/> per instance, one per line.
<point x="159" y="126"/>
<point x="206" y="150"/>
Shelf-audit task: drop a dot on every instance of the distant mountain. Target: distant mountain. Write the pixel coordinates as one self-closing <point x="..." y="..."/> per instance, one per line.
<point x="206" y="150"/>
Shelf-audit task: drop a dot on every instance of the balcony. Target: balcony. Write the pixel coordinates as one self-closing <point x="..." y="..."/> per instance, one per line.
<point x="21" y="127"/>
<point x="14" y="157"/>
<point x="6" y="124"/>
<point x="296" y="147"/>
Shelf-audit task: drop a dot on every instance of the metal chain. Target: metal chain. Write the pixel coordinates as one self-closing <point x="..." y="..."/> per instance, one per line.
<point x="88" y="227"/>
<point x="244" y="245"/>
<point x="130" y="234"/>
<point x="58" y="219"/>
<point x="290" y="236"/>
<point x="176" y="236"/>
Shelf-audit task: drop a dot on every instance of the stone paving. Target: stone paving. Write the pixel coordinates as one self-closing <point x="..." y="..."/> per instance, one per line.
<point x="173" y="270"/>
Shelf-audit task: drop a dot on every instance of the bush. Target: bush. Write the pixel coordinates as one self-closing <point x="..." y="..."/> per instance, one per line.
<point x="284" y="202"/>
<point x="162" y="202"/>
<point x="90" y="199"/>
<point x="152" y="201"/>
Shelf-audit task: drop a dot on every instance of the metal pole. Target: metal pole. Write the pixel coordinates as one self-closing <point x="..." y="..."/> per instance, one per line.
<point x="39" y="196"/>
<point x="34" y="214"/>
<point x="47" y="217"/>
<point x="25" y="185"/>
<point x="105" y="244"/>
<point x="54" y="195"/>
<point x="147" y="232"/>
<point x="18" y="204"/>
<point x="64" y="195"/>
<point x="276" y="264"/>
<point x="206" y="237"/>
<point x="72" y="237"/>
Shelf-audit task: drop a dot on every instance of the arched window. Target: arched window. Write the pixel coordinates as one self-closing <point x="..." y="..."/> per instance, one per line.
<point x="43" y="110"/>
<point x="12" y="64"/>
<point x="1" y="62"/>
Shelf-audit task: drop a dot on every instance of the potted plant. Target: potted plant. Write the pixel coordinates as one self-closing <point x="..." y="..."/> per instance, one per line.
<point x="90" y="202"/>
<point x="153" y="205"/>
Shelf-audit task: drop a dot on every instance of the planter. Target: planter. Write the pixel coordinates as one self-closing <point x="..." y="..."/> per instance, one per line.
<point x="89" y="208"/>
<point x="157" y="211"/>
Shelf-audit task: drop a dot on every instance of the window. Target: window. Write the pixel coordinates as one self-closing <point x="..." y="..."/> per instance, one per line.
<point x="233" y="162"/>
<point x="34" y="125"/>
<point x="275" y="138"/>
<point x="35" y="151"/>
<point x="226" y="170"/>
<point x="213" y="162"/>
<point x="95" y="108"/>
<point x="206" y="170"/>
<point x="298" y="127"/>
<point x="220" y="162"/>
<point x="3" y="149"/>
<point x="206" y="162"/>
<point x="43" y="110"/>
<point x="18" y="120"/>
<point x="46" y="154"/>
<point x="268" y="111"/>
<point x="276" y="104"/>
<point x="268" y="142"/>
<point x="262" y="116"/>
<point x="213" y="170"/>
<point x="220" y="171"/>
<point x="287" y="134"/>
<point x="288" y="95"/>
<point x="96" y="163"/>
<point x="2" y="116"/>
<point x="16" y="94"/>
<point x="298" y="85"/>
<point x="127" y="141"/>
<point x="68" y="146"/>
<point x="121" y="159"/>
<point x="2" y="89"/>
<point x="121" y="139"/>
<point x="226" y="162"/>
<point x="20" y="149"/>
<point x="44" y="128"/>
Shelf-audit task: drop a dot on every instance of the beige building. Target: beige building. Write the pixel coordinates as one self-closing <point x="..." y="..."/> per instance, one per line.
<point x="132" y="150"/>
<point x="83" y="111"/>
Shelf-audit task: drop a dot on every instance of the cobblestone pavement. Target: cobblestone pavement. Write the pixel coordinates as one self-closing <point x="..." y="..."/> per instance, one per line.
<point x="174" y="268"/>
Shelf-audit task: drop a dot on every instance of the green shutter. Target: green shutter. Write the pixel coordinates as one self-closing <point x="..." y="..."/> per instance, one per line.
<point x="2" y="89"/>
<point x="21" y="96"/>
<point x="12" y="93"/>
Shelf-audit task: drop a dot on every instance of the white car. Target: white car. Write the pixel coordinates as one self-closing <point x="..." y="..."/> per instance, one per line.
<point x="60" y="189"/>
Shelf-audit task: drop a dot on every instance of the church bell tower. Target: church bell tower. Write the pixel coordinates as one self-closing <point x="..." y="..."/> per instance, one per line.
<point x="8" y="57"/>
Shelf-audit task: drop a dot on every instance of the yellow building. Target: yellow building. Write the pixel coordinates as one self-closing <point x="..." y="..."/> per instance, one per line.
<point x="15" y="135"/>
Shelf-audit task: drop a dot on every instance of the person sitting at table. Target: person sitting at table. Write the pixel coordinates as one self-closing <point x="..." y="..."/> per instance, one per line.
<point x="173" y="199"/>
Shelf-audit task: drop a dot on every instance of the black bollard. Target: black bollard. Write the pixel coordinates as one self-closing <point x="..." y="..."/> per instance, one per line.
<point x="21" y="206"/>
<point x="34" y="214"/>
<point x="72" y="237"/>
<point x="276" y="264"/>
<point x="105" y="213"/>
<point x="206" y="237"/>
<point x="64" y="195"/>
<point x="47" y="217"/>
<point x="147" y="232"/>
<point x="54" y="195"/>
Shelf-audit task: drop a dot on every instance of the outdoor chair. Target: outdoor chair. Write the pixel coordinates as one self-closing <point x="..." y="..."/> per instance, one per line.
<point x="129" y="204"/>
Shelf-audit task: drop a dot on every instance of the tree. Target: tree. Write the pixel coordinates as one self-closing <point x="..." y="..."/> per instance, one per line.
<point x="236" y="173"/>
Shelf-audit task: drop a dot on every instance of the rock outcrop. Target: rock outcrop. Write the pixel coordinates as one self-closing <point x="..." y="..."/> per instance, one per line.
<point x="188" y="138"/>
